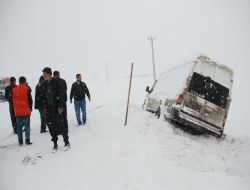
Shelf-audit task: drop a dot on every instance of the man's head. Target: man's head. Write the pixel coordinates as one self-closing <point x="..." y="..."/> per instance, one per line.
<point x="47" y="73"/>
<point x="22" y="80"/>
<point x="78" y="77"/>
<point x="12" y="80"/>
<point x="56" y="74"/>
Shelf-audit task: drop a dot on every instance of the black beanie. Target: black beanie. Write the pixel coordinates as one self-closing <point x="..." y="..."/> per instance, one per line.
<point x="56" y="74"/>
<point x="22" y="79"/>
<point x="12" y="80"/>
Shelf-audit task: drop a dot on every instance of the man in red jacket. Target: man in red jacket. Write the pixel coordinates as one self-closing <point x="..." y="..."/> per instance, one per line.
<point x="22" y="102"/>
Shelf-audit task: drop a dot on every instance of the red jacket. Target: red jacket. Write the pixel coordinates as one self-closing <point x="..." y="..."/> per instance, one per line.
<point x="22" y="100"/>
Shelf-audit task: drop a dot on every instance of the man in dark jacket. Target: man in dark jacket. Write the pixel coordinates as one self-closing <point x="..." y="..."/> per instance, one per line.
<point x="63" y="84"/>
<point x="9" y="98"/>
<point x="63" y="122"/>
<point x="78" y="91"/>
<point x="54" y="103"/>
<point x="39" y="104"/>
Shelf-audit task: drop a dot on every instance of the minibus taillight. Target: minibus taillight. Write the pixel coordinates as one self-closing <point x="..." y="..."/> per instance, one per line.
<point x="180" y="99"/>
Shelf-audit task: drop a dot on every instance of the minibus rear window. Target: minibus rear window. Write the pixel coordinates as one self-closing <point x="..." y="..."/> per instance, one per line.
<point x="209" y="90"/>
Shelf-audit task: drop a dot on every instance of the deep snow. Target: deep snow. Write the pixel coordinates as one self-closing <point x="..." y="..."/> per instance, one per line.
<point x="146" y="154"/>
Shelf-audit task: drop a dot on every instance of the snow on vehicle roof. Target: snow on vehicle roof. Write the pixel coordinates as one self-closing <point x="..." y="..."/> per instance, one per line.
<point x="211" y="61"/>
<point x="171" y="82"/>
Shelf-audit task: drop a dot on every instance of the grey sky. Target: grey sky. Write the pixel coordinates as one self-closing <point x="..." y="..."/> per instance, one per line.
<point x="83" y="35"/>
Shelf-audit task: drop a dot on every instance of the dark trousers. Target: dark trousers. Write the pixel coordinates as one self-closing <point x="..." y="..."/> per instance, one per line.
<point x="57" y="123"/>
<point x="13" y="117"/>
<point x="43" y="119"/>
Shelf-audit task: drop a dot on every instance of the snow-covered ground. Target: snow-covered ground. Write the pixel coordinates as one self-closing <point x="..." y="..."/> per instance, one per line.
<point x="146" y="154"/>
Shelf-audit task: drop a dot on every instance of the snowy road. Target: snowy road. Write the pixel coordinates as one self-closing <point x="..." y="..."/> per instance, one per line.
<point x="146" y="154"/>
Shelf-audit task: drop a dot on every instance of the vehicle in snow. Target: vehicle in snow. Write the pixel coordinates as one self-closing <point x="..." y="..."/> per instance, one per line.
<point x="3" y="83"/>
<point x="197" y="95"/>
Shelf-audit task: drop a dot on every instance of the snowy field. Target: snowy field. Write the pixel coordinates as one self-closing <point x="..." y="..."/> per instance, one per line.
<point x="146" y="154"/>
<point x="100" y="39"/>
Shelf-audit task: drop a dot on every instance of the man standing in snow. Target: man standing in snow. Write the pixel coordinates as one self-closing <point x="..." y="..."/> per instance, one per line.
<point x="63" y="122"/>
<point x="63" y="84"/>
<point x="39" y="104"/>
<point x="22" y="102"/>
<point x="78" y="91"/>
<point x="8" y="97"/>
<point x="54" y="106"/>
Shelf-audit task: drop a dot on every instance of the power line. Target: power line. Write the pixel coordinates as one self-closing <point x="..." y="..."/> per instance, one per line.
<point x="177" y="67"/>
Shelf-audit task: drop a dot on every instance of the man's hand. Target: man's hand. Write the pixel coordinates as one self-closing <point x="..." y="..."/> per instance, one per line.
<point x="60" y="110"/>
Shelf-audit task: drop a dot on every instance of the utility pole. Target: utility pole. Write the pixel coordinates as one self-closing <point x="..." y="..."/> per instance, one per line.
<point x="153" y="56"/>
<point x="130" y="81"/>
<point x="107" y="76"/>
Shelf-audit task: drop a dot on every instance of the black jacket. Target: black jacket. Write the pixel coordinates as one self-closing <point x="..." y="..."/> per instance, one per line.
<point x="53" y="95"/>
<point x="39" y="96"/>
<point x="78" y="91"/>
<point x="63" y="86"/>
<point x="8" y="92"/>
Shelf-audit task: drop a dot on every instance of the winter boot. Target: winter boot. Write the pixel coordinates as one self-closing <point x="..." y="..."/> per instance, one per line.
<point x="55" y="145"/>
<point x="27" y="141"/>
<point x="43" y="131"/>
<point x="20" y="143"/>
<point x="67" y="144"/>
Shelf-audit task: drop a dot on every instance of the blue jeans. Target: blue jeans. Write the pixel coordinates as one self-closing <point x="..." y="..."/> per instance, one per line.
<point x="23" y="121"/>
<point x="80" y="105"/>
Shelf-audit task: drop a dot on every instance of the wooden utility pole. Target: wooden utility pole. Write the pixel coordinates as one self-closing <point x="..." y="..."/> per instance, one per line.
<point x="131" y="73"/>
<point x="151" y="39"/>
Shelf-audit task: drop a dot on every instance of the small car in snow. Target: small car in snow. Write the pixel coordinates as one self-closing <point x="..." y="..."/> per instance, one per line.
<point x="3" y="83"/>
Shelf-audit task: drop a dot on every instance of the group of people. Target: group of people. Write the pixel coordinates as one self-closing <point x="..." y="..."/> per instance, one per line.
<point x="50" y="100"/>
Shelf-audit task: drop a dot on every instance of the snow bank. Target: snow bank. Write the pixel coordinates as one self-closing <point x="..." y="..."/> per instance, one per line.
<point x="146" y="154"/>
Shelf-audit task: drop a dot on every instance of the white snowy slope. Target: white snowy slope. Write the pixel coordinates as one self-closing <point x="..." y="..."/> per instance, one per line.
<point x="146" y="154"/>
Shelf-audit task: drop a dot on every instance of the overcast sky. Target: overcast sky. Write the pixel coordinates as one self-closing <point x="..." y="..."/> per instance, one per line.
<point x="81" y="36"/>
